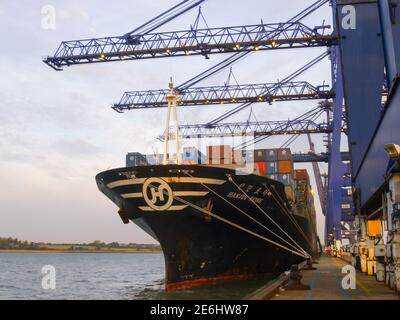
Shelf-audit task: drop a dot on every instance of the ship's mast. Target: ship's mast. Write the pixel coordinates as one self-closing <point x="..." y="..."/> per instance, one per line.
<point x="172" y="100"/>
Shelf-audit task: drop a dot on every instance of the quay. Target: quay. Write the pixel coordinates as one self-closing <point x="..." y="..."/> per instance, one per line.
<point x="326" y="284"/>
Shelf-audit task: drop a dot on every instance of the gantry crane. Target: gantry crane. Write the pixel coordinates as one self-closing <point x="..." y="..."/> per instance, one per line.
<point x="232" y="94"/>
<point x="141" y="44"/>
<point x="286" y="89"/>
<point x="252" y="129"/>
<point x="189" y="42"/>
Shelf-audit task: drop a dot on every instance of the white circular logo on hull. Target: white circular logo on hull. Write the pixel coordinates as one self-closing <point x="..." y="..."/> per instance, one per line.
<point x="157" y="194"/>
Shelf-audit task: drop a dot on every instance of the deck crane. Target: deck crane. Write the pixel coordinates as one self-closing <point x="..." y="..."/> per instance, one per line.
<point x="237" y="40"/>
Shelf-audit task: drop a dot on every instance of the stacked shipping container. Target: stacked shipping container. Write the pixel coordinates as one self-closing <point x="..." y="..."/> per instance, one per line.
<point x="219" y="154"/>
<point x="304" y="192"/>
<point x="276" y="164"/>
<point x="302" y="186"/>
<point x="135" y="159"/>
<point x="305" y="199"/>
<point x="192" y="155"/>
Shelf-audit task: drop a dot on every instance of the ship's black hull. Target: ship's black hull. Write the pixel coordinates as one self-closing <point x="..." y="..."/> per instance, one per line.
<point x="199" y="218"/>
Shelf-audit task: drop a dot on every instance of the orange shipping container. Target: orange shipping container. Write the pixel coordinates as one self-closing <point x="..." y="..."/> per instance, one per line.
<point x="262" y="168"/>
<point x="285" y="166"/>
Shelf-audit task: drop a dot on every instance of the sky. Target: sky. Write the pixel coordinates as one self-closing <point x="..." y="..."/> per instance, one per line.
<point x="57" y="130"/>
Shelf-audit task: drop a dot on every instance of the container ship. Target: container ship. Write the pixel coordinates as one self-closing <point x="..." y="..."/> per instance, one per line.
<point x="226" y="215"/>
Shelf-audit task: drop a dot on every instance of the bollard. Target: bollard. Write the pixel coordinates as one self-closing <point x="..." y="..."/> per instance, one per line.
<point x="309" y="265"/>
<point x="294" y="282"/>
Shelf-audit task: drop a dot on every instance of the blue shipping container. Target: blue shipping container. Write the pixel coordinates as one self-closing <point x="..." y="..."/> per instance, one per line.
<point x="285" y="178"/>
<point x="135" y="159"/>
<point x="272" y="167"/>
<point x="193" y="154"/>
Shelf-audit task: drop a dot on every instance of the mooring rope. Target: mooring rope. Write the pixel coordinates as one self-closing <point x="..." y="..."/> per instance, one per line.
<point x="280" y="202"/>
<point x="272" y="220"/>
<point x="233" y="224"/>
<point x="250" y="217"/>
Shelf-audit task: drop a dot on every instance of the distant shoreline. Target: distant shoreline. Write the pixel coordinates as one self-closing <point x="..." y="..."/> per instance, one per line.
<point x="79" y="251"/>
<point x="13" y="245"/>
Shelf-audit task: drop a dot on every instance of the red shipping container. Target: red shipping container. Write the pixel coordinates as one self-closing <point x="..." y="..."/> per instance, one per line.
<point x="262" y="168"/>
<point x="301" y="174"/>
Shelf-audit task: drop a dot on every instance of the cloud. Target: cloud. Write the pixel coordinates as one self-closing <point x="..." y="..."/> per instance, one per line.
<point x="74" y="11"/>
<point x="76" y="147"/>
<point x="21" y="157"/>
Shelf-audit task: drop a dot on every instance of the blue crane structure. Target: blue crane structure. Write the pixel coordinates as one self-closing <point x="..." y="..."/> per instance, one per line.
<point x="376" y="35"/>
<point x="369" y="59"/>
<point x="238" y="41"/>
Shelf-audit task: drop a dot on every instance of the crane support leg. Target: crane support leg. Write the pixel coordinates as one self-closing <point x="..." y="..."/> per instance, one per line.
<point x="336" y="171"/>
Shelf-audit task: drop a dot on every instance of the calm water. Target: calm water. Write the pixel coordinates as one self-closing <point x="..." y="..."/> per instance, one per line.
<point x="101" y="276"/>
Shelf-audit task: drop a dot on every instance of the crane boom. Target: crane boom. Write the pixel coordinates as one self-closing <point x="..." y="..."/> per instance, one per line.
<point x="259" y="128"/>
<point x="227" y="94"/>
<point x="189" y="42"/>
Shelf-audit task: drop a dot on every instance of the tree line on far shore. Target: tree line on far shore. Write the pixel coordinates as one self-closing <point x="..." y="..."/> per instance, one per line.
<point x="16" y="244"/>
